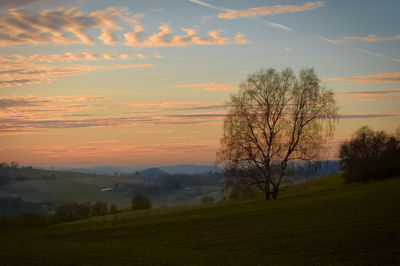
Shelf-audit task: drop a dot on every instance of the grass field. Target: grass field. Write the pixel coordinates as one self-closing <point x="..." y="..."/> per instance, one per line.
<point x="320" y="222"/>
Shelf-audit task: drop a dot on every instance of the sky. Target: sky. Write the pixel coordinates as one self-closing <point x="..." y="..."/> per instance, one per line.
<point x="93" y="82"/>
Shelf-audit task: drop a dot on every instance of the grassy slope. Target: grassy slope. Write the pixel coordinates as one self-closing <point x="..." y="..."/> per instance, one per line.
<point x="321" y="222"/>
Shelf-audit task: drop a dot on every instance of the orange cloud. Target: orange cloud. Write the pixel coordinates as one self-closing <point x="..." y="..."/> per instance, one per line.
<point x="369" y="38"/>
<point x="66" y="57"/>
<point x="365" y="96"/>
<point x="56" y="27"/>
<point x="166" y="38"/>
<point x="388" y="77"/>
<point x="208" y="86"/>
<point x="32" y="114"/>
<point x="22" y="71"/>
<point x="269" y="10"/>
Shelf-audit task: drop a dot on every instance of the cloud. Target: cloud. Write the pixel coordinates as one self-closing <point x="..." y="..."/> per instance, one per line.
<point x="165" y="38"/>
<point x="260" y="21"/>
<point x="270" y="10"/>
<point x="365" y="96"/>
<point x="61" y="26"/>
<point x="67" y="57"/>
<point x="32" y="114"/>
<point x="140" y="55"/>
<point x="356" y="116"/>
<point x="99" y="149"/>
<point x="11" y="4"/>
<point x="22" y="71"/>
<point x="369" y="38"/>
<point x="208" y="86"/>
<point x="71" y="26"/>
<point x="388" y="77"/>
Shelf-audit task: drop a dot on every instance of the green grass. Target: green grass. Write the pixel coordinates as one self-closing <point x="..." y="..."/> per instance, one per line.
<point x="321" y="222"/>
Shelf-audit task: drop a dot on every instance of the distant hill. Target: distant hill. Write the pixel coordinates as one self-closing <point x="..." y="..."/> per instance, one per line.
<point x="170" y="169"/>
<point x="188" y="168"/>
<point x="152" y="172"/>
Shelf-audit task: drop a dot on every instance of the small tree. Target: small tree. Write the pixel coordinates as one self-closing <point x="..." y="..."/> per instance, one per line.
<point x="274" y="118"/>
<point x="99" y="208"/>
<point x="370" y="155"/>
<point x="140" y="202"/>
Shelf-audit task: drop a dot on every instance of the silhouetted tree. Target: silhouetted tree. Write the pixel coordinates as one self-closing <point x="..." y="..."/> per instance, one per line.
<point x="274" y="118"/>
<point x="370" y="155"/>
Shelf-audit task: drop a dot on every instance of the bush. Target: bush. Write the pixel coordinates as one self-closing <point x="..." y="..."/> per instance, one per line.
<point x="72" y="211"/>
<point x="370" y="155"/>
<point x="99" y="208"/>
<point x="140" y="202"/>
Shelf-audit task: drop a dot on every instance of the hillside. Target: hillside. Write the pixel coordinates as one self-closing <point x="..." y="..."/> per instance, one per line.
<point x="64" y="186"/>
<point x="321" y="222"/>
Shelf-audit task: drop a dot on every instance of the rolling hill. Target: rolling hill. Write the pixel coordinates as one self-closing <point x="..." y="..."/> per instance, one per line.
<point x="319" y="222"/>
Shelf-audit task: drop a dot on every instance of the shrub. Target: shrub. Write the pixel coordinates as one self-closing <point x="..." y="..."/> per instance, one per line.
<point x="99" y="208"/>
<point x="140" y="202"/>
<point x="370" y="155"/>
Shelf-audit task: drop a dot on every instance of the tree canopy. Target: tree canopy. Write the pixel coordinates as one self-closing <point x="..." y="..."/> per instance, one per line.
<point x="370" y="155"/>
<point x="275" y="117"/>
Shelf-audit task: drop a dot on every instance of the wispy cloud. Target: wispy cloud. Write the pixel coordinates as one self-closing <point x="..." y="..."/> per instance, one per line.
<point x="269" y="10"/>
<point x="257" y="20"/>
<point x="359" y="116"/>
<point x="72" y="26"/>
<point x="390" y="77"/>
<point x="32" y="114"/>
<point x="24" y="71"/>
<point x="100" y="149"/>
<point x="61" y="26"/>
<point x="69" y="57"/>
<point x="369" y="38"/>
<point x="377" y="95"/>
<point x="208" y="86"/>
<point x="166" y="38"/>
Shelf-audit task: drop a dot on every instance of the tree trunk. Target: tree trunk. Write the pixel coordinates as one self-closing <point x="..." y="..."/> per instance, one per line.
<point x="267" y="193"/>
<point x="275" y="193"/>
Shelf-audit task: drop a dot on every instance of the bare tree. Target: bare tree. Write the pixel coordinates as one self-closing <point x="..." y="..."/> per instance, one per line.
<point x="274" y="118"/>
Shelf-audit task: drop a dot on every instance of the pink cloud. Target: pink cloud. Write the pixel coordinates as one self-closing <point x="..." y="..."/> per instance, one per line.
<point x="388" y="77"/>
<point x="365" y="96"/>
<point x="67" y="57"/>
<point x="23" y="71"/>
<point x="270" y="10"/>
<point x="166" y="38"/>
<point x="369" y="38"/>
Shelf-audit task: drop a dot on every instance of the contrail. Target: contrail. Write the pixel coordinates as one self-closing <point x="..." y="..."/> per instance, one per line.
<point x="286" y="28"/>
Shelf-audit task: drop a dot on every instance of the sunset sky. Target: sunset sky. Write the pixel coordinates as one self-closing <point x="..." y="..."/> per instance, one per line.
<point x="87" y="82"/>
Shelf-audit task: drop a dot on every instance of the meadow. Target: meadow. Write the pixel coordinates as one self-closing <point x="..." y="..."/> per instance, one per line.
<point x="323" y="221"/>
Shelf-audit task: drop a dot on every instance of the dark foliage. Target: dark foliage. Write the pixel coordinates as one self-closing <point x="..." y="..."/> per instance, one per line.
<point x="72" y="211"/>
<point x="5" y="176"/>
<point x="370" y="155"/>
<point x="10" y="206"/>
<point x="99" y="208"/>
<point x="140" y="202"/>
